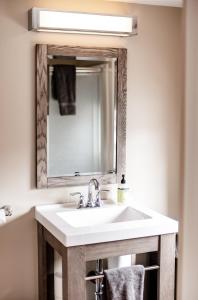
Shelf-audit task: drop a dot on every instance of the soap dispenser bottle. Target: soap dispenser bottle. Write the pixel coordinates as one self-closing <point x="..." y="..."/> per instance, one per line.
<point x="123" y="189"/>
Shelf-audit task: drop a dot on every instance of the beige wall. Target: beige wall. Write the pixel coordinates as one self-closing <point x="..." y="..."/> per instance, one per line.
<point x="188" y="268"/>
<point x="153" y="123"/>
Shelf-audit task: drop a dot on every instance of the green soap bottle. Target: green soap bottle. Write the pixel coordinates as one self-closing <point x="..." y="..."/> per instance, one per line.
<point x="123" y="189"/>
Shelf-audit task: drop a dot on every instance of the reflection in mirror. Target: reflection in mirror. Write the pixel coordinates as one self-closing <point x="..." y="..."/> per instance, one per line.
<point x="81" y="122"/>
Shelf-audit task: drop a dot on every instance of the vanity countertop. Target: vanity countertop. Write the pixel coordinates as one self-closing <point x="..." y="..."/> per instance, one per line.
<point x="74" y="227"/>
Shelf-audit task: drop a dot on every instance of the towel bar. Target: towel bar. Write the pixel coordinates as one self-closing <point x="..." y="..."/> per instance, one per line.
<point x="99" y="276"/>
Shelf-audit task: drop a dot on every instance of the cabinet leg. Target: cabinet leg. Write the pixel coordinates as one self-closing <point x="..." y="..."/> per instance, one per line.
<point x="166" y="275"/>
<point x="45" y="267"/>
<point x="74" y="272"/>
<point x="42" y="264"/>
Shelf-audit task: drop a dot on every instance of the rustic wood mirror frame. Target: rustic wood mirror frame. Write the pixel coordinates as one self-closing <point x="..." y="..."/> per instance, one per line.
<point x="42" y="52"/>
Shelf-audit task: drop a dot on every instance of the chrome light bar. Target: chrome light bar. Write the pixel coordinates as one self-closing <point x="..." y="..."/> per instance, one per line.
<point x="41" y="19"/>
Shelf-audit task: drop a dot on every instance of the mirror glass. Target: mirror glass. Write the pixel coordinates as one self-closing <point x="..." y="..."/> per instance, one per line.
<point x="81" y="121"/>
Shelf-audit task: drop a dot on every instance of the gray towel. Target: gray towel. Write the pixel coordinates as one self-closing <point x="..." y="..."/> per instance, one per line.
<point x="64" y="88"/>
<point x="125" y="283"/>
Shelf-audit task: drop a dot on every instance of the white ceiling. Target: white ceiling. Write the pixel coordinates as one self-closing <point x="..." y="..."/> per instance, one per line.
<point x="174" y="3"/>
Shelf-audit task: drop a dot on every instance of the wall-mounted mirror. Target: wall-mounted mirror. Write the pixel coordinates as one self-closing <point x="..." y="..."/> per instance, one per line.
<point x="81" y="114"/>
<point x="81" y="122"/>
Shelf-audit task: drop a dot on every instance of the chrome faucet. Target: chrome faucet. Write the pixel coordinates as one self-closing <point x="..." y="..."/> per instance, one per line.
<point x="94" y="196"/>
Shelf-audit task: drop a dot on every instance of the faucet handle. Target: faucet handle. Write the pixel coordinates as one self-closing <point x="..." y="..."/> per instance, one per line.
<point x="99" y="201"/>
<point x="81" y="203"/>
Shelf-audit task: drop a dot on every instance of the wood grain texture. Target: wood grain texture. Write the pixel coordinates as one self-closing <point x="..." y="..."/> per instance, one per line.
<point x="74" y="263"/>
<point x="80" y="180"/>
<point x="58" y="246"/>
<point x="42" y="103"/>
<point x="74" y="272"/>
<point x="121" y="115"/>
<point x="42" y="264"/>
<point x="82" y="51"/>
<point x="166" y="274"/>
<point x="117" y="248"/>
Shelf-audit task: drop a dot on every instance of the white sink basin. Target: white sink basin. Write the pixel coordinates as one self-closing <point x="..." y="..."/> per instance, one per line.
<point x="74" y="227"/>
<point x="92" y="217"/>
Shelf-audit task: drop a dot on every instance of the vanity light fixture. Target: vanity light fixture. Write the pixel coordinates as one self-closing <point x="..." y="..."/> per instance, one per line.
<point x="41" y="19"/>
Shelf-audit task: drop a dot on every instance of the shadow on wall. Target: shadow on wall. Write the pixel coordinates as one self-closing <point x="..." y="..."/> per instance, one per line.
<point x="18" y="258"/>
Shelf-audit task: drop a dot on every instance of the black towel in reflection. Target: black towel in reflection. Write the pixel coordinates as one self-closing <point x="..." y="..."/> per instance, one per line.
<point x="64" y="88"/>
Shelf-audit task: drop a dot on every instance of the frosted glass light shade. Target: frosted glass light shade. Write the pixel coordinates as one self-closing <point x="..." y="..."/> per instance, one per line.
<point x="72" y="22"/>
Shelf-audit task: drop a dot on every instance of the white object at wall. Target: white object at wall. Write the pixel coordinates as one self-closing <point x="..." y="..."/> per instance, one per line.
<point x="58" y="286"/>
<point x="119" y="261"/>
<point x="172" y="3"/>
<point x="42" y="19"/>
<point x="2" y="216"/>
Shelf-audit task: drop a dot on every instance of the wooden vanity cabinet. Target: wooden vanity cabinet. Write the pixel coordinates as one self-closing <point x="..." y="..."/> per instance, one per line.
<point x="74" y="261"/>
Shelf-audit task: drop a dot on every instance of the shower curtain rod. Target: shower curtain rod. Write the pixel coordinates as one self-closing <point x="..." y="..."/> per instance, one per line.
<point x="80" y="70"/>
